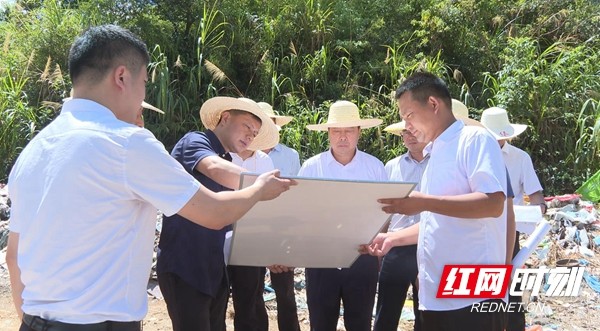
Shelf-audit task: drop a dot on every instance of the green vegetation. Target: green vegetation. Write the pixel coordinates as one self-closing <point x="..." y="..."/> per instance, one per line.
<point x="540" y="59"/>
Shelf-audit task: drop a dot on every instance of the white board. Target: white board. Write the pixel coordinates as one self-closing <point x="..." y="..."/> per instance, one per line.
<point x="319" y="223"/>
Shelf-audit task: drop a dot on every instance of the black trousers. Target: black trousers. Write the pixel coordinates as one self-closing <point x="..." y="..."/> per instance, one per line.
<point x="35" y="323"/>
<point x="398" y="271"/>
<point x="463" y="320"/>
<point x="515" y="319"/>
<point x="287" y="312"/>
<point x="190" y="309"/>
<point x="354" y="286"/>
<point x="247" y="287"/>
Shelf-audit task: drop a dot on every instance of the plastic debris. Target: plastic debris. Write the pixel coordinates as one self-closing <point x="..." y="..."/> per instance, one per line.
<point x="592" y="281"/>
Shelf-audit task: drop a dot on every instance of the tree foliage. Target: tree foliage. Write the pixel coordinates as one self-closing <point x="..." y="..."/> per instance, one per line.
<point x="537" y="58"/>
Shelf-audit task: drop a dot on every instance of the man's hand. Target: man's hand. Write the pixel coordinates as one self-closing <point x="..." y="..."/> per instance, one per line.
<point x="271" y="186"/>
<point x="380" y="245"/>
<point x="277" y="268"/>
<point x="411" y="205"/>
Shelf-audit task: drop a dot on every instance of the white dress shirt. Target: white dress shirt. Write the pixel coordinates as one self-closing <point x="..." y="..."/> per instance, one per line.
<point x="362" y="167"/>
<point x="405" y="168"/>
<point x="84" y="196"/>
<point x="285" y="159"/>
<point x="523" y="179"/>
<point x="462" y="160"/>
<point x="259" y="162"/>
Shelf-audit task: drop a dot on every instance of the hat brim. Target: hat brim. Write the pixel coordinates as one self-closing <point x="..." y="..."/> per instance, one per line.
<point x="363" y="123"/>
<point x="211" y="110"/>
<point x="396" y="128"/>
<point x="149" y="106"/>
<point x="281" y="120"/>
<point x="509" y="132"/>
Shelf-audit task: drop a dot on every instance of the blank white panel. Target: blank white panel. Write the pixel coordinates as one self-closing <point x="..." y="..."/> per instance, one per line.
<point x="319" y="223"/>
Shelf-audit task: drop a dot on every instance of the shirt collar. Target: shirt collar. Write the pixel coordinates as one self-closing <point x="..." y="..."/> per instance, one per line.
<point x="216" y="144"/>
<point x="409" y="157"/>
<point x="331" y="159"/>
<point x="278" y="148"/>
<point x="446" y="136"/>
<point x="506" y="148"/>
<point x="73" y="105"/>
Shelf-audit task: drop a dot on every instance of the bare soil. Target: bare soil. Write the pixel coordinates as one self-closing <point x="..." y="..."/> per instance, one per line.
<point x="562" y="313"/>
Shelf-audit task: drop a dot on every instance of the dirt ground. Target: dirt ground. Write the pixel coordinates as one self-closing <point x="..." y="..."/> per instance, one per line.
<point x="577" y="313"/>
<point x="157" y="318"/>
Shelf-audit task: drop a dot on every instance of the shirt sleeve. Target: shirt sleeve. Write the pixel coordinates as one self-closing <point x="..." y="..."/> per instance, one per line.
<point x="484" y="164"/>
<point x="531" y="183"/>
<point x="191" y="149"/>
<point x="154" y="176"/>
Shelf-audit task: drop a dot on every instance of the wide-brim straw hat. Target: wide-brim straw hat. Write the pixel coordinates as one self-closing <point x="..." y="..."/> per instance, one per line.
<point x="344" y="114"/>
<point x="149" y="106"/>
<point x="211" y="110"/>
<point x="495" y="119"/>
<point x="280" y="120"/>
<point x="396" y="128"/>
<point x="461" y="112"/>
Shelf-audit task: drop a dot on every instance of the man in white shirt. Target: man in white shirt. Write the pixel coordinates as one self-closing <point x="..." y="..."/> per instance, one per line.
<point x="399" y="266"/>
<point x="248" y="282"/>
<point x="84" y="195"/>
<point x="287" y="161"/>
<point x="462" y="203"/>
<point x="523" y="178"/>
<point x="355" y="286"/>
<point x="524" y="181"/>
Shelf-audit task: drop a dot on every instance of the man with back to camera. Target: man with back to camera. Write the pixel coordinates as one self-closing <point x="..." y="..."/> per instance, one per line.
<point x="524" y="181"/>
<point x="84" y="195"/>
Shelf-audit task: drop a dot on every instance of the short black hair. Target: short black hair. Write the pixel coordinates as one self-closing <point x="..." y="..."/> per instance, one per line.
<point x="422" y="85"/>
<point x="101" y="48"/>
<point x="237" y="112"/>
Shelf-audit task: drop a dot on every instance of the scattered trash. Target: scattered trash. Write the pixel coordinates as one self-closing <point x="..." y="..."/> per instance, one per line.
<point x="592" y="281"/>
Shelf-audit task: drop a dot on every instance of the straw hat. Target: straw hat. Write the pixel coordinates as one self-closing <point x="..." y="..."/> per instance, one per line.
<point x="461" y="112"/>
<point x="279" y="119"/>
<point x="495" y="119"/>
<point x="149" y="106"/>
<point x="396" y="128"/>
<point x="344" y="114"/>
<point x="211" y="110"/>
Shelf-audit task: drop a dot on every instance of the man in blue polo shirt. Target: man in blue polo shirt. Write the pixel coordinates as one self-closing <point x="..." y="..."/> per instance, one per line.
<point x="191" y="267"/>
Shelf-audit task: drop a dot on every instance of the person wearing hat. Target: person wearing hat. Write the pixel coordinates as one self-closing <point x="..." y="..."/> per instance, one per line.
<point x="399" y="266"/>
<point x="524" y="180"/>
<point x="85" y="192"/>
<point x="355" y="286"/>
<point x="461" y="112"/>
<point x="523" y="177"/>
<point x="462" y="204"/>
<point x="191" y="265"/>
<point x="247" y="283"/>
<point x="287" y="161"/>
